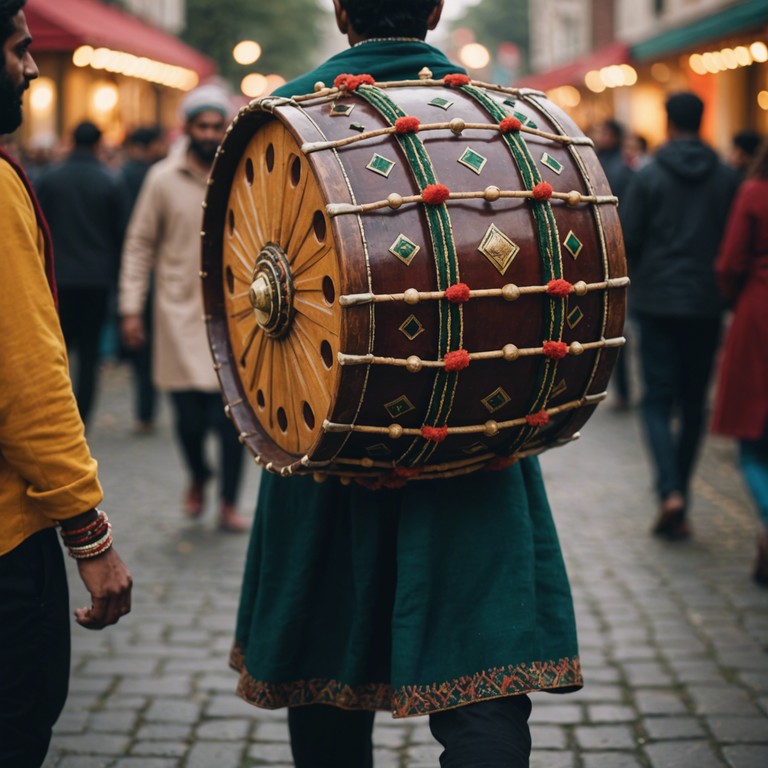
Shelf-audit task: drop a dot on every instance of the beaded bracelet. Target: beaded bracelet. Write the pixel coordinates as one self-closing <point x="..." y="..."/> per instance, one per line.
<point x="90" y="540"/>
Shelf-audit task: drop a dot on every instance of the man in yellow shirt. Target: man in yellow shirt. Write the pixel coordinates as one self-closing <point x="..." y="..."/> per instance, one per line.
<point x="47" y="475"/>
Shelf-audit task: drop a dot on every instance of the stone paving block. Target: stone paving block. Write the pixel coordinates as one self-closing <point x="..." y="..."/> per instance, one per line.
<point x="83" y="762"/>
<point x="592" y="694"/>
<point x="757" y="680"/>
<point x="215" y="664"/>
<point x="666" y="728"/>
<point x="557" y="713"/>
<point x="605" y="737"/>
<point x="164" y="732"/>
<point x="697" y="671"/>
<point x="602" y="675"/>
<point x="93" y="744"/>
<point x="425" y="753"/>
<point x="221" y="683"/>
<point x="746" y="756"/>
<point x="729" y="730"/>
<point x="232" y="706"/>
<point x="119" y="666"/>
<point x="194" y="637"/>
<point x="145" y="762"/>
<point x="609" y="713"/>
<point x="172" y="711"/>
<point x="610" y="760"/>
<point x="646" y="674"/>
<point x="546" y="759"/>
<point x="721" y="700"/>
<point x="267" y="754"/>
<point x="676" y="754"/>
<point x="161" y="685"/>
<point x="548" y="737"/>
<point x="386" y="758"/>
<point x="215" y="754"/>
<point x="113" y="722"/>
<point x="117" y="703"/>
<point x="160" y="748"/>
<point x="393" y="738"/>
<point x="634" y="652"/>
<point x="228" y="729"/>
<point x="654" y="702"/>
<point x="96" y="685"/>
<point x="72" y="722"/>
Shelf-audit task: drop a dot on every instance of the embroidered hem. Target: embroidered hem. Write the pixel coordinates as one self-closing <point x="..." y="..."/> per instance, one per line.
<point x="563" y="676"/>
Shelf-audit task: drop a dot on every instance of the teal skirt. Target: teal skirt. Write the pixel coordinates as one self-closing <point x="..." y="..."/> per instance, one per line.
<point x="416" y="600"/>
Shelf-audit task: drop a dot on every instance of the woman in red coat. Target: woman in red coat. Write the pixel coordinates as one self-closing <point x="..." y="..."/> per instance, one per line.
<point x="741" y="410"/>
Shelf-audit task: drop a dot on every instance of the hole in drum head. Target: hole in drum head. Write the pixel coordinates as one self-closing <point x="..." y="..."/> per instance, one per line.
<point x="260" y="399"/>
<point x="231" y="221"/>
<point x="329" y="292"/>
<point x="270" y="158"/>
<point x="309" y="416"/>
<point x="295" y="171"/>
<point x="282" y="419"/>
<point x="319" y="226"/>
<point x="248" y="172"/>
<point x="326" y="352"/>
<point x="230" y="275"/>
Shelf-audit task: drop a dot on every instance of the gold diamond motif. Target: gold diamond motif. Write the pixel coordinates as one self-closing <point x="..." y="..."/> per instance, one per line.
<point x="573" y="245"/>
<point x="575" y="316"/>
<point x="399" y="407"/>
<point x="341" y="110"/>
<point x="381" y="165"/>
<point x="411" y="328"/>
<point x="378" y="451"/>
<point x="440" y="102"/>
<point x="474" y="448"/>
<point x="405" y="249"/>
<point x="558" y="390"/>
<point x="496" y="400"/>
<point x="551" y="163"/>
<point x="498" y="249"/>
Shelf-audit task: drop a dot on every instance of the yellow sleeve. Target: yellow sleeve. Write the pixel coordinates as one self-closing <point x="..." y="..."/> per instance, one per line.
<point x="41" y="434"/>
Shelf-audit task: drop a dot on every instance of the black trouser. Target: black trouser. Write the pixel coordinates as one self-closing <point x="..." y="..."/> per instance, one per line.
<point x="82" y="312"/>
<point x="196" y="413"/>
<point x="145" y="394"/>
<point x="488" y="734"/>
<point x="34" y="648"/>
<point x="677" y="354"/>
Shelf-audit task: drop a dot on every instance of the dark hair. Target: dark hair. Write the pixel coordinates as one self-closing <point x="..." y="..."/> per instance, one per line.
<point x="747" y="141"/>
<point x="86" y="135"/>
<point x="759" y="167"/>
<point x="8" y="9"/>
<point x="684" y="111"/>
<point x="389" y="18"/>
<point x="615" y="128"/>
<point x="144" y="135"/>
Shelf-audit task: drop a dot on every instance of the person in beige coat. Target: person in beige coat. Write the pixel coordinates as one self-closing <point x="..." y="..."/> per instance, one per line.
<point x="164" y="236"/>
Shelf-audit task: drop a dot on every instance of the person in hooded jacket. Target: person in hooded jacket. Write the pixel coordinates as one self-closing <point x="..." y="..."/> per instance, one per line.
<point x="674" y="216"/>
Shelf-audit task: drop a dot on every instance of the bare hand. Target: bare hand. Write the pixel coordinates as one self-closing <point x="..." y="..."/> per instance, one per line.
<point x="109" y="583"/>
<point x="132" y="329"/>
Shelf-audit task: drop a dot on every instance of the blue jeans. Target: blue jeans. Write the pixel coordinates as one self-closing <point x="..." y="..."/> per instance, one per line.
<point x="676" y="355"/>
<point x="753" y="458"/>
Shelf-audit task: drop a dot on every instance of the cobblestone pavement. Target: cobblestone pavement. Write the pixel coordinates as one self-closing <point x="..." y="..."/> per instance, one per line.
<point x="674" y="637"/>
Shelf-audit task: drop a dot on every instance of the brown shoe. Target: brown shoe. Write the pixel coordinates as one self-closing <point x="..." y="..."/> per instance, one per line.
<point x="230" y="521"/>
<point x="672" y="523"/>
<point x="194" y="499"/>
<point x="760" y="574"/>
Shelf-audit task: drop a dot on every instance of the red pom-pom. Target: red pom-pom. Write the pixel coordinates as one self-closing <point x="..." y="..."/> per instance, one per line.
<point x="408" y="472"/>
<point x="561" y="288"/>
<point x="456" y="80"/>
<point x="501" y="462"/>
<point x="509" y="124"/>
<point x="540" y="419"/>
<point x="435" y="434"/>
<point x="407" y="124"/>
<point x="393" y="482"/>
<point x="352" y="82"/>
<point x="557" y="350"/>
<point x="456" y="361"/>
<point x="458" y="293"/>
<point x="435" y="194"/>
<point x="542" y="191"/>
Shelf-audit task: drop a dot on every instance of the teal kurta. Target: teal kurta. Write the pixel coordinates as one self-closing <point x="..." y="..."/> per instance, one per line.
<point x="419" y="599"/>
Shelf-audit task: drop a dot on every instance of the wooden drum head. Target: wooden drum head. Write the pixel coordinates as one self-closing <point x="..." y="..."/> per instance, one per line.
<point x="409" y="280"/>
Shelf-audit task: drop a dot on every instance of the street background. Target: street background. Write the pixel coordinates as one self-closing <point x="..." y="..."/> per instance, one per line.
<point x="673" y="636"/>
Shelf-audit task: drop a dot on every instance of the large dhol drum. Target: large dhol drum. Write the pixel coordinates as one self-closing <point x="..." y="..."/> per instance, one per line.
<point x="409" y="280"/>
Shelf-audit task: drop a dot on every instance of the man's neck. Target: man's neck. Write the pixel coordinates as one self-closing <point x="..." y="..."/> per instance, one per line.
<point x="198" y="165"/>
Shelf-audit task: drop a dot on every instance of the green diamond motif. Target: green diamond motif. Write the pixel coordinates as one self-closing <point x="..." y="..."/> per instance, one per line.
<point x="575" y="316"/>
<point x="559" y="388"/>
<point x="474" y="161"/>
<point x="551" y="163"/>
<point x="498" y="249"/>
<point x="573" y="245"/>
<point x="440" y="102"/>
<point x="510" y="102"/>
<point x="474" y="448"/>
<point x="496" y="400"/>
<point x="341" y="110"/>
<point x="381" y="165"/>
<point x="359" y="127"/>
<point x="399" y="407"/>
<point x="404" y="249"/>
<point x="524" y="119"/>
<point x="411" y="328"/>
<point x="378" y="451"/>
